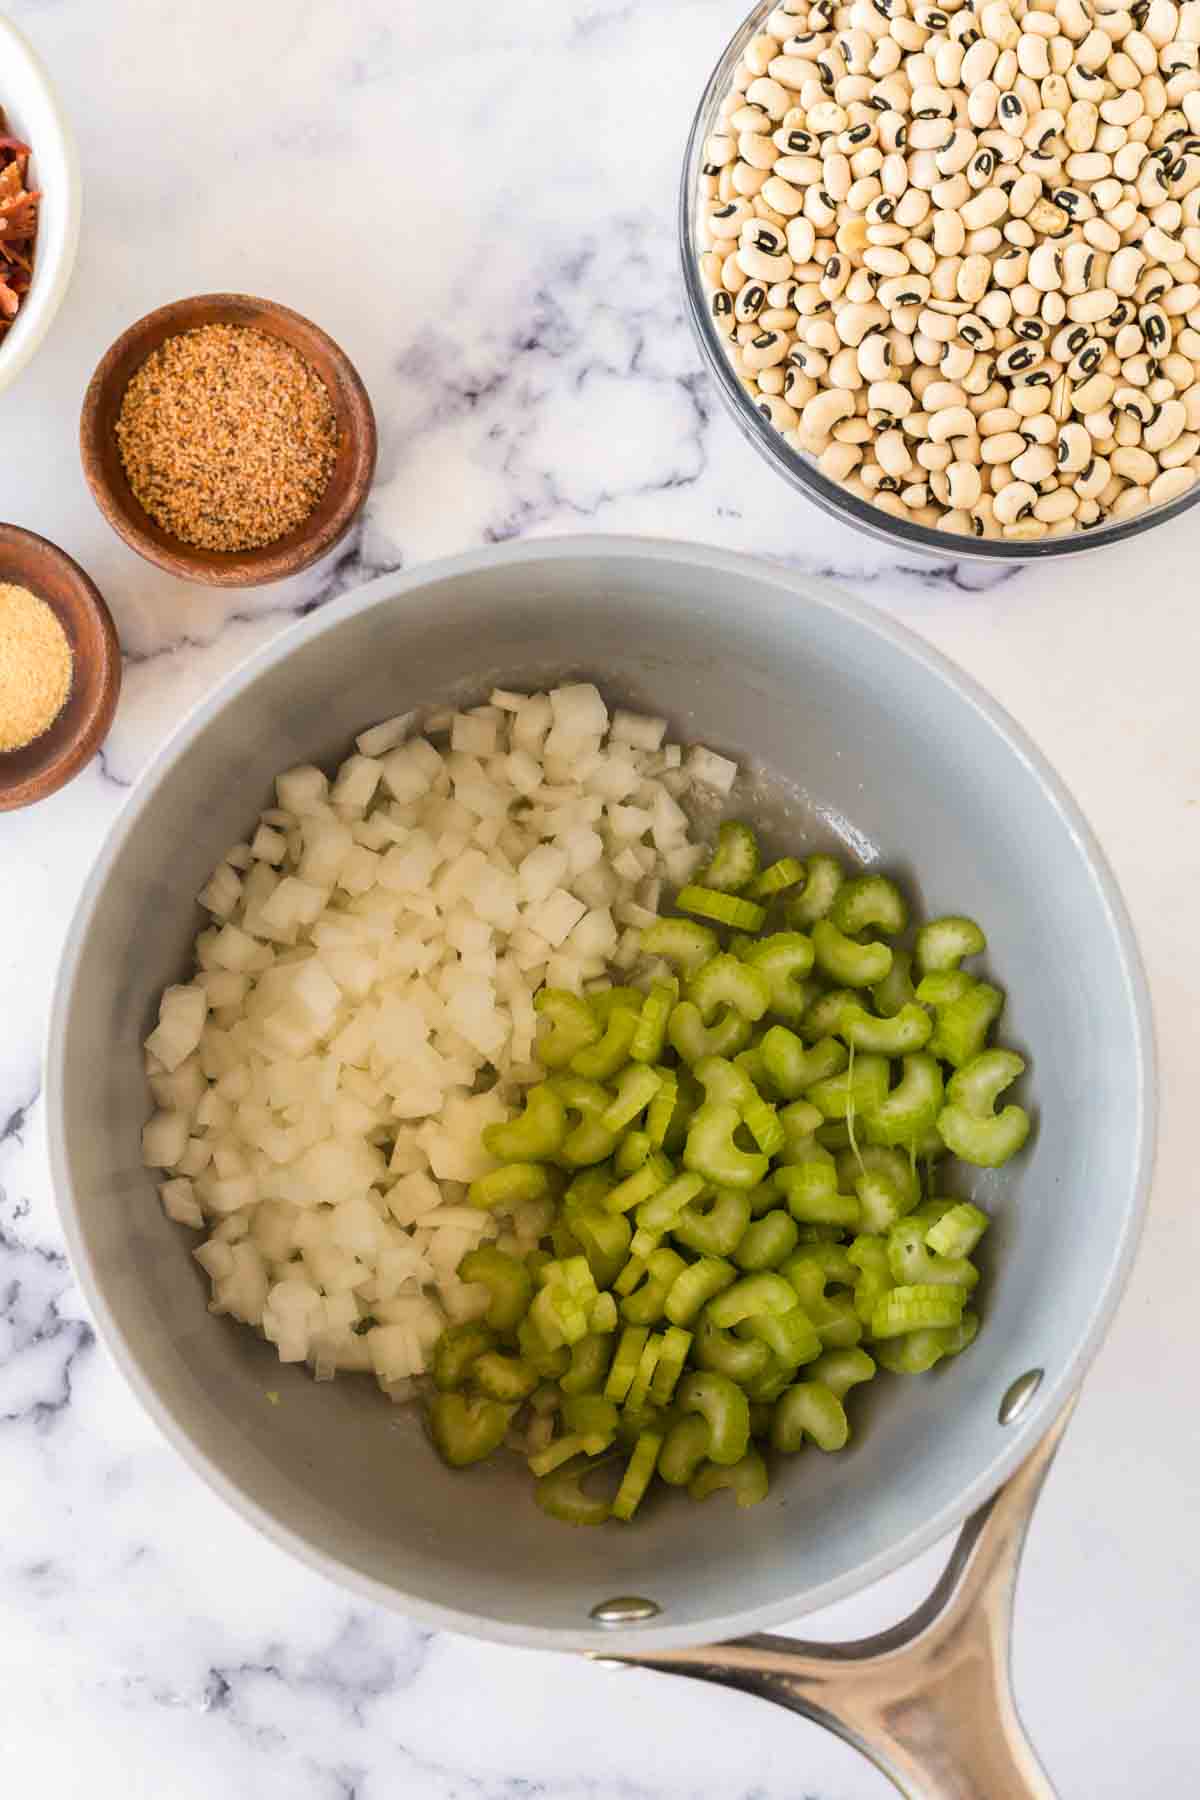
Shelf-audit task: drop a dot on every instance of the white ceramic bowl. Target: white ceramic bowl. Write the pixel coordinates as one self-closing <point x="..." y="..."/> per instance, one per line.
<point x="35" y="114"/>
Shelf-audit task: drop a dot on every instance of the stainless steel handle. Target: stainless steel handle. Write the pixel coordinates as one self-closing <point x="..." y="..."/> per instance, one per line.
<point x="930" y="1700"/>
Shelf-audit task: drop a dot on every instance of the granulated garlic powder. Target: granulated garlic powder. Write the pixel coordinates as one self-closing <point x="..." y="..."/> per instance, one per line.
<point x="35" y="667"/>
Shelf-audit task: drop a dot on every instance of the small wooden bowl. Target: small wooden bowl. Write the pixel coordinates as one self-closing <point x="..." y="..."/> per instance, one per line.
<point x="50" y="761"/>
<point x="349" y="482"/>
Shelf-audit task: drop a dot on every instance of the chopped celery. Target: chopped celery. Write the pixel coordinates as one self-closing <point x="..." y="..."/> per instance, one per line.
<point x="638" y="1474"/>
<point x="535" y="1135"/>
<point x="681" y="942"/>
<point x="957" y="1232"/>
<point x="600" y="1061"/>
<point x="747" y="1478"/>
<point x="735" y="861"/>
<point x="786" y="873"/>
<point x="649" y="1040"/>
<point x="907" y="1030"/>
<point x="507" y="1281"/>
<point x="968" y="1126"/>
<point x="767" y="1243"/>
<point x="846" y="962"/>
<point x="561" y="1494"/>
<point x="809" y="1410"/>
<point x="725" y="1409"/>
<point x="710" y="1150"/>
<point x="869" y="903"/>
<point x="723" y="909"/>
<point x="573" y="1024"/>
<point x="784" y="960"/>
<point x="465" y="1431"/>
<point x="913" y="1307"/>
<point x="942" y="943"/>
<point x="716" y="1228"/>
<point x="823" y="877"/>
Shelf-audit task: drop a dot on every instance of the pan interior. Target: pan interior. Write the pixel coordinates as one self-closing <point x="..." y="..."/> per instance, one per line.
<point x="857" y="738"/>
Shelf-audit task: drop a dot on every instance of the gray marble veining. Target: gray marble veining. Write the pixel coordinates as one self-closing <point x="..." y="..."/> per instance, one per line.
<point x="478" y="202"/>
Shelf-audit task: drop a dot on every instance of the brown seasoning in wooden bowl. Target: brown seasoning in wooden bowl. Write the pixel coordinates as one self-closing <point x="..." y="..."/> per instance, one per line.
<point x="227" y="436"/>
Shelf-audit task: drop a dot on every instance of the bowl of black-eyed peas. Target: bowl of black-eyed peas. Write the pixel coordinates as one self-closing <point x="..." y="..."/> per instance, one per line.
<point x="944" y="263"/>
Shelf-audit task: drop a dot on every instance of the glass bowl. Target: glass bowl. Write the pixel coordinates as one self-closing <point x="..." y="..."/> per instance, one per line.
<point x="796" y="467"/>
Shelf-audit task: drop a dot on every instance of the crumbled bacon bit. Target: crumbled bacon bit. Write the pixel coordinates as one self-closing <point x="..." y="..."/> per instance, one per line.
<point x="18" y="225"/>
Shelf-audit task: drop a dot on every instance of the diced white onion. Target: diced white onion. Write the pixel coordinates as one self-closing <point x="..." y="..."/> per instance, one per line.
<point x="372" y="962"/>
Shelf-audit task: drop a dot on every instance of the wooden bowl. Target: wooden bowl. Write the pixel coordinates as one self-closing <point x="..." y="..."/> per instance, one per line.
<point x="50" y="761"/>
<point x="349" y="482"/>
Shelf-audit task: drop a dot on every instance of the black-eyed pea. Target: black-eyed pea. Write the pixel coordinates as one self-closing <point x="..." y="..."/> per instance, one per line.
<point x="1134" y="403"/>
<point x="1015" y="500"/>
<point x="758" y="53"/>
<point x="771" y="381"/>
<point x="854" y="321"/>
<point x="750" y="302"/>
<point x="765" y="350"/>
<point x="1027" y="402"/>
<point x="838" y="461"/>
<point x="781" y="196"/>
<point x="1090" y="395"/>
<point x="757" y="149"/>
<point x="778" y="318"/>
<point x="934" y="456"/>
<point x="1130" y="501"/>
<point x="853" y="431"/>
<point x="1075" y="449"/>
<point x="949" y="422"/>
<point x="824" y="411"/>
<point x="892" y="454"/>
<point x="978" y="378"/>
<point x="956" y="361"/>
<point x="733" y="276"/>
<point x="890" y="398"/>
<point x="773" y="98"/>
<point x="1165" y="428"/>
<point x="1042" y="428"/>
<point x="844" y="371"/>
<point x="1093" y="479"/>
<point x="1126" y="431"/>
<point x="1128" y="342"/>
<point x="821" y="334"/>
<point x="720" y="308"/>
<point x="1034" y="464"/>
<point x="916" y="494"/>
<point x="1182" y="451"/>
<point x="874" y="357"/>
<point x="763" y="211"/>
<point x="727" y="221"/>
<point x="778" y="413"/>
<point x="999" y="420"/>
<point x="891" y="504"/>
<point x="1183" y="298"/>
<point x="1170" y="485"/>
<point x="1003" y="447"/>
<point x="1052" y="508"/>
<point x="798" y="389"/>
<point x="863" y="192"/>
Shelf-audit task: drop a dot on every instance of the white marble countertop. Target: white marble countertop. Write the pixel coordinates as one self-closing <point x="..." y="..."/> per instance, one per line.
<point x="478" y="204"/>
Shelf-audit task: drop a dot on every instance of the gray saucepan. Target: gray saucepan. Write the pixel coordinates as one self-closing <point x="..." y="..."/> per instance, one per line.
<point x="864" y="738"/>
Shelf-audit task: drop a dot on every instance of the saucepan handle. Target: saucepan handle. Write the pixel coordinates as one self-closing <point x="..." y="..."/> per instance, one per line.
<point x="930" y="1700"/>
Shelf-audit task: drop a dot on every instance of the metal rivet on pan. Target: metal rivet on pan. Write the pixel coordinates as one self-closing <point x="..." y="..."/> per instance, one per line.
<point x="626" y="1609"/>
<point x="1019" y="1394"/>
